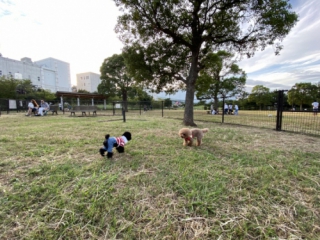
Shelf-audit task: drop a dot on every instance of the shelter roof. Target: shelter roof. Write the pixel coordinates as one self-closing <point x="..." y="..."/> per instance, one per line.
<point x="80" y="95"/>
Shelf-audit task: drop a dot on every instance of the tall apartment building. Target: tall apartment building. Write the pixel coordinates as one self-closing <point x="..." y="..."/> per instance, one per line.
<point x="88" y="81"/>
<point x="50" y="74"/>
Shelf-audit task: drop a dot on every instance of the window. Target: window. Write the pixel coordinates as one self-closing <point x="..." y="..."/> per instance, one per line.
<point x="87" y="77"/>
<point x="38" y="78"/>
<point x="0" y="73"/>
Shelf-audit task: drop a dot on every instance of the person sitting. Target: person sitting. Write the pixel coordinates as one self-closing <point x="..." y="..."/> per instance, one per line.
<point x="30" y="107"/>
<point x="44" y="108"/>
<point x="36" y="107"/>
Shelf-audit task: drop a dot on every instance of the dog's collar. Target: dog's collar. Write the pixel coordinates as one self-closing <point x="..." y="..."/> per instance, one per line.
<point x="189" y="138"/>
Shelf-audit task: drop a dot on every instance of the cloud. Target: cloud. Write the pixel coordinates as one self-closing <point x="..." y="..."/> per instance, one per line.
<point x="5" y="6"/>
<point x="299" y="60"/>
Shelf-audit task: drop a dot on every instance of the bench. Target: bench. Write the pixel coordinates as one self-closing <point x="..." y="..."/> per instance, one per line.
<point x="54" y="109"/>
<point x="84" y="110"/>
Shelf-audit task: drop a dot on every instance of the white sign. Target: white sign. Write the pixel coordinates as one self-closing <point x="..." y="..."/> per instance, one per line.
<point x="118" y="105"/>
<point x="18" y="76"/>
<point x="12" y="104"/>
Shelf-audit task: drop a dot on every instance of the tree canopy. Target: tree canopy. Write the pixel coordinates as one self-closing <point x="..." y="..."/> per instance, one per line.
<point x="23" y="89"/>
<point x="303" y="93"/>
<point x="261" y="95"/>
<point x="168" y="39"/>
<point x="114" y="78"/>
<point x="221" y="78"/>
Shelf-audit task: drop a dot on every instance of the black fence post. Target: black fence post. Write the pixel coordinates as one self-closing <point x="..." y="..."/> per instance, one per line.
<point x="113" y="110"/>
<point x="124" y="114"/>
<point x="279" y="110"/>
<point x="223" y="98"/>
<point x="162" y="107"/>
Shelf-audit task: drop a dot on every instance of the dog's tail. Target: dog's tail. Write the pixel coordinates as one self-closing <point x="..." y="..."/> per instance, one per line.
<point x="107" y="136"/>
<point x="205" y="130"/>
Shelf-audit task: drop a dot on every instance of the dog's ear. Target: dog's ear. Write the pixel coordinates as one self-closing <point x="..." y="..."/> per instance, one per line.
<point x="107" y="136"/>
<point x="127" y="135"/>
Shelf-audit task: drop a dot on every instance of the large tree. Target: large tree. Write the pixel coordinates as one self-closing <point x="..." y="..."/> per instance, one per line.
<point x="114" y="78"/>
<point x="221" y="78"/>
<point x="303" y="93"/>
<point x="261" y="96"/>
<point x="170" y="38"/>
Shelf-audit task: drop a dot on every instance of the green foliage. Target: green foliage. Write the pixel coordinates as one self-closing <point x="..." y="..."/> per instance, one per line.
<point x="220" y="77"/>
<point x="166" y="41"/>
<point x="260" y="95"/>
<point x="167" y="102"/>
<point x="23" y="89"/>
<point x="114" y="78"/>
<point x="46" y="95"/>
<point x="303" y="93"/>
<point x="8" y="87"/>
<point x="82" y="91"/>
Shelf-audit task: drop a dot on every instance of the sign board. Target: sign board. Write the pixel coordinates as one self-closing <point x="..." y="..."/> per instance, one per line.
<point x="118" y="105"/>
<point x="12" y="104"/>
<point x="18" y="76"/>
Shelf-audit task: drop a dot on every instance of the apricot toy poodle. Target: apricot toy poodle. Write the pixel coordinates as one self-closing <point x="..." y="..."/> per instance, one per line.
<point x="189" y="134"/>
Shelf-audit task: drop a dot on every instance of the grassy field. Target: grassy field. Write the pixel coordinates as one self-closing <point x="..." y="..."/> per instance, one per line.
<point x="242" y="183"/>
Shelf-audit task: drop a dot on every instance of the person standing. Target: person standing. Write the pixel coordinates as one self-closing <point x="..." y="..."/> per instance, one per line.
<point x="315" y="106"/>
<point x="226" y="108"/>
<point x="236" y="109"/>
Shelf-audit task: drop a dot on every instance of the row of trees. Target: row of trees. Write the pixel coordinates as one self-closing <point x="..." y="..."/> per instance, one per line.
<point x="300" y="96"/>
<point x="22" y="89"/>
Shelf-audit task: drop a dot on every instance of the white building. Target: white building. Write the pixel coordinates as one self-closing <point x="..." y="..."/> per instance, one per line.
<point x="50" y="74"/>
<point x="88" y="81"/>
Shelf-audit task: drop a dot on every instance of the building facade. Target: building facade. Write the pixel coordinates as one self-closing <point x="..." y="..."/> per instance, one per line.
<point x="50" y="74"/>
<point x="88" y="81"/>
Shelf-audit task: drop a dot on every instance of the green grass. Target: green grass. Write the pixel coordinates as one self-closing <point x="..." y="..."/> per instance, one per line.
<point x="242" y="183"/>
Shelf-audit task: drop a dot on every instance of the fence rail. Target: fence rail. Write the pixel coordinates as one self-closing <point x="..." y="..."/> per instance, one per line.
<point x="306" y="122"/>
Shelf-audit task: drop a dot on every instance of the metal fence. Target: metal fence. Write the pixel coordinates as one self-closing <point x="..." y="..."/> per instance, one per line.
<point x="277" y="118"/>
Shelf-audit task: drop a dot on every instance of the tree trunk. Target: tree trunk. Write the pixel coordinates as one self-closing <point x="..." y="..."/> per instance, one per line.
<point x="216" y="103"/>
<point x="124" y="99"/>
<point x="188" y="110"/>
<point x="191" y="80"/>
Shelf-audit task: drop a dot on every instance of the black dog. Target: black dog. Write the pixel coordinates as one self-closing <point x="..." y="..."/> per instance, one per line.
<point x="117" y="142"/>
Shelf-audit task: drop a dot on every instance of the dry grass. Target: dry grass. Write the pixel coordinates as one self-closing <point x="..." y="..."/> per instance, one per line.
<point x="242" y="183"/>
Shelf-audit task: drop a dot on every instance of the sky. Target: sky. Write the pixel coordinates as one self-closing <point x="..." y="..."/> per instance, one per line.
<point x="81" y="32"/>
